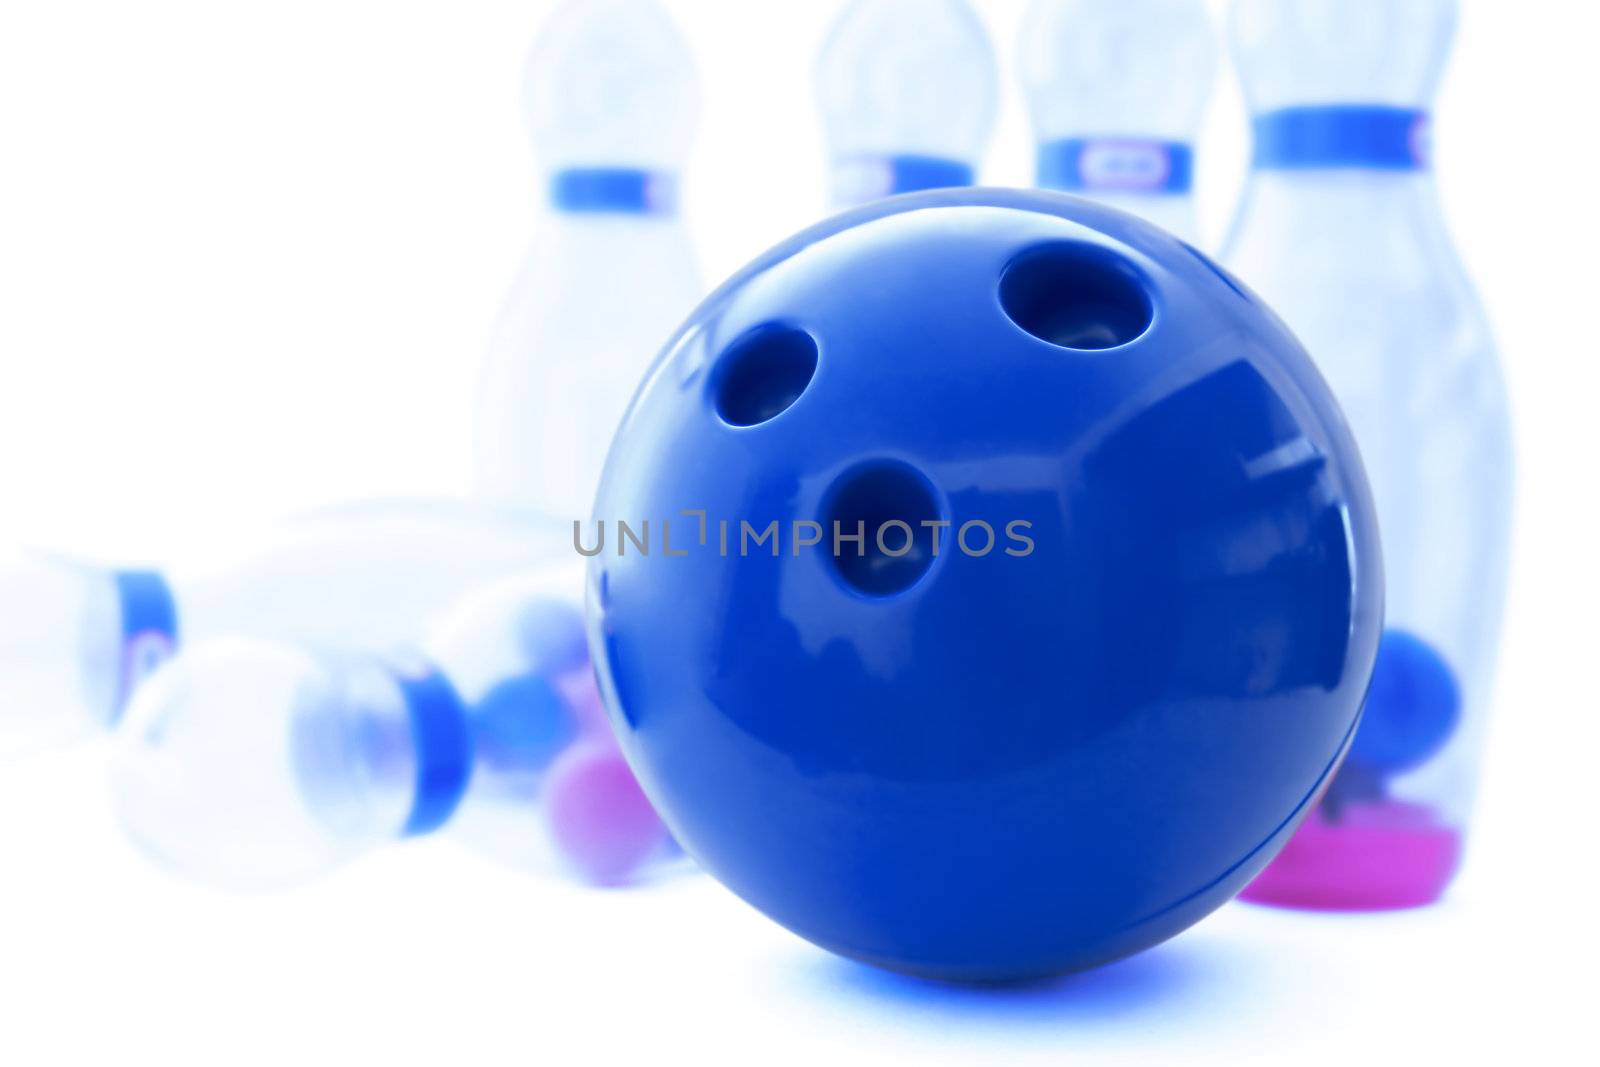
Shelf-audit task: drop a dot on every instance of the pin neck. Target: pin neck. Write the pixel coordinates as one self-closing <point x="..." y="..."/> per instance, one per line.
<point x="1105" y="165"/>
<point x="865" y="177"/>
<point x="149" y="617"/>
<point x="613" y="191"/>
<point x="1368" y="137"/>
<point x="442" y="743"/>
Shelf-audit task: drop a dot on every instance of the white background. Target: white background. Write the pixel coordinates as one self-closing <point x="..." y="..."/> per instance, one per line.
<point x="249" y="254"/>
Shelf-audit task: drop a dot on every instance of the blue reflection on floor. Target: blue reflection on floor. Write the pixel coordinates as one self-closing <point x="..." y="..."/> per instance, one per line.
<point x="1181" y="984"/>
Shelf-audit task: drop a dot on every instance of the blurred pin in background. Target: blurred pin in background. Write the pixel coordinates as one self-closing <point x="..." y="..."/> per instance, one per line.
<point x="254" y="764"/>
<point x="612" y="101"/>
<point x="279" y="731"/>
<point x="1340" y="229"/>
<point x="76" y="639"/>
<point x="907" y="90"/>
<point x="1116" y="89"/>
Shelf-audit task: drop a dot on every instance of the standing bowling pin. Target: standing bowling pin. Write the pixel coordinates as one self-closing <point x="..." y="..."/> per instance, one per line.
<point x="76" y="639"/>
<point x="1116" y="89"/>
<point x="253" y="764"/>
<point x="612" y="100"/>
<point x="1341" y="230"/>
<point x="907" y="90"/>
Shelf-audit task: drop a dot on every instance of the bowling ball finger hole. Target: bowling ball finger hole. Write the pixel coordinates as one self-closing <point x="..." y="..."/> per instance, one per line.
<point x="886" y="505"/>
<point x="763" y="373"/>
<point x="1076" y="295"/>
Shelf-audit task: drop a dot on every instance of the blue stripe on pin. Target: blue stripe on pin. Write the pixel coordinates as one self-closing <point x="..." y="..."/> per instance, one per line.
<point x="1116" y="165"/>
<point x="147" y="604"/>
<point x="442" y="742"/>
<point x="859" y="179"/>
<point x="149" y="630"/>
<point x="914" y="174"/>
<point x="1342" y="136"/>
<point x="613" y="190"/>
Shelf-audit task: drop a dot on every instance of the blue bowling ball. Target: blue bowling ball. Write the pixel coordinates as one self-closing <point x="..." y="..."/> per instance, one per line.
<point x="988" y="585"/>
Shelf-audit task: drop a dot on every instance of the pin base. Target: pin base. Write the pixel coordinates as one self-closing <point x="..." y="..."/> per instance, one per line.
<point x="1376" y="857"/>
